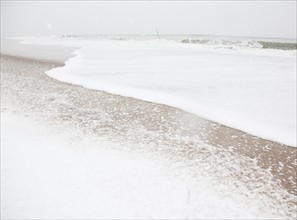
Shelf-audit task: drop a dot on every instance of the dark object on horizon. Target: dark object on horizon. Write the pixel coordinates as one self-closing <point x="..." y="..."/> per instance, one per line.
<point x="158" y="33"/>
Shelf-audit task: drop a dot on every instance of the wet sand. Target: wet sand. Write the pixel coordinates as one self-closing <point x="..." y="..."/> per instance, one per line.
<point x="168" y="131"/>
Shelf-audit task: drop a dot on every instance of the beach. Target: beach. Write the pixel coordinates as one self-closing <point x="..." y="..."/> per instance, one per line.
<point x="259" y="170"/>
<point x="148" y="110"/>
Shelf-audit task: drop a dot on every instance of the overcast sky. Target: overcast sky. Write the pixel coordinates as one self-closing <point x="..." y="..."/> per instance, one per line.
<point x="230" y="18"/>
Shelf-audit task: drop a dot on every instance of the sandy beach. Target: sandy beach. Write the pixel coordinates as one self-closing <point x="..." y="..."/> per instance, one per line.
<point x="148" y="110"/>
<point x="260" y="165"/>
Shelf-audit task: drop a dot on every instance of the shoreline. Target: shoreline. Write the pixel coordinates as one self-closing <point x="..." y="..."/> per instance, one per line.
<point x="283" y="134"/>
<point x="166" y="121"/>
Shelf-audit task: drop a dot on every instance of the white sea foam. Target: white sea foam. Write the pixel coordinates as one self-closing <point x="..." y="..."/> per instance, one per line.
<point x="250" y="89"/>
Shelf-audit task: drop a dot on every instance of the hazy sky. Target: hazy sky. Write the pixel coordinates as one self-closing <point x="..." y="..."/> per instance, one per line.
<point x="232" y="18"/>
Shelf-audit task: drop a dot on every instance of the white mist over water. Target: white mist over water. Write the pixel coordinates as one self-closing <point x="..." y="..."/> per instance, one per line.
<point x="241" y="86"/>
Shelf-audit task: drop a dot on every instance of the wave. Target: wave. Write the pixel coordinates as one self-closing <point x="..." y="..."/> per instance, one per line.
<point x="214" y="41"/>
<point x="241" y="43"/>
<point x="223" y="43"/>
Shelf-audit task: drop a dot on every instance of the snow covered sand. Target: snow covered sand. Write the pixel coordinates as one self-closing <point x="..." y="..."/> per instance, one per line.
<point x="240" y="86"/>
<point x="88" y="154"/>
<point x="45" y="175"/>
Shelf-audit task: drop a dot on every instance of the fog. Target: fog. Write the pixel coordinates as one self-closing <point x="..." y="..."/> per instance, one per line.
<point x="275" y="19"/>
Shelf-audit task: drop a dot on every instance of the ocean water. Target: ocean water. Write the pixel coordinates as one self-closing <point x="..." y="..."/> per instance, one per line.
<point x="220" y="41"/>
<point x="239" y="82"/>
